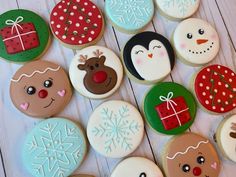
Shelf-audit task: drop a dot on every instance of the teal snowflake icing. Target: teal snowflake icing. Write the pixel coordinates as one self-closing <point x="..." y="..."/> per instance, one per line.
<point x="182" y="5"/>
<point x="116" y="128"/>
<point x="56" y="150"/>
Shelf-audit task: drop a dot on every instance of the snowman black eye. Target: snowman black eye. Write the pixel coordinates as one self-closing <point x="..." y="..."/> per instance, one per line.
<point x="201" y="31"/>
<point x="137" y="52"/>
<point x="186" y="168"/>
<point x="201" y="160"/>
<point x="142" y="174"/>
<point x="158" y="47"/>
<point x="189" y="35"/>
<point x="31" y="90"/>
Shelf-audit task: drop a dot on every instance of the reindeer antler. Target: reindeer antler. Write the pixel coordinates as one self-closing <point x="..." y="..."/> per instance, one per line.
<point x="97" y="53"/>
<point x="233" y="126"/>
<point x="83" y="58"/>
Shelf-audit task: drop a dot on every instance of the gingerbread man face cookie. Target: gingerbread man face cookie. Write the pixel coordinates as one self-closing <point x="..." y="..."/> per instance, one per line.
<point x="40" y="89"/>
<point x="191" y="155"/>
<point x="196" y="42"/>
<point x="96" y="72"/>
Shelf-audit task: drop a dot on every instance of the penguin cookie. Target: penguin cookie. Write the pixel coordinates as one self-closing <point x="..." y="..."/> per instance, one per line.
<point x="148" y="57"/>
<point x="96" y="72"/>
<point x="40" y="89"/>
<point x="196" y="42"/>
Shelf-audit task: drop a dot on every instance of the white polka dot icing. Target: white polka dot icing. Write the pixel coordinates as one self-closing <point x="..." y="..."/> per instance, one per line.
<point x="115" y="129"/>
<point x="196" y="41"/>
<point x="178" y="9"/>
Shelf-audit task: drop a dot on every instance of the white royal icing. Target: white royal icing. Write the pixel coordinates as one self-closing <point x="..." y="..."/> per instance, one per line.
<point x="201" y="48"/>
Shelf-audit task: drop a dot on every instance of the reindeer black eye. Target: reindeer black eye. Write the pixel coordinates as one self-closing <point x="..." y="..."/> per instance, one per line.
<point x="91" y="68"/>
<point x="186" y="168"/>
<point x="31" y="90"/>
<point x="97" y="65"/>
<point x="47" y="83"/>
<point x="201" y="160"/>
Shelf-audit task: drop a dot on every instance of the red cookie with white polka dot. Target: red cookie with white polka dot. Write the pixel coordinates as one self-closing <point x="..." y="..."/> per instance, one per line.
<point x="77" y="23"/>
<point x="215" y="89"/>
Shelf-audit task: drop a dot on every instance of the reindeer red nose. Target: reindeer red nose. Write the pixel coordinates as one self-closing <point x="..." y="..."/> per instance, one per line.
<point x="201" y="41"/>
<point x="43" y="93"/>
<point x="197" y="171"/>
<point x="99" y="77"/>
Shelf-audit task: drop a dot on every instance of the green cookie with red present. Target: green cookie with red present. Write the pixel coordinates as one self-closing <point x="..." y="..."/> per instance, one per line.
<point x="24" y="36"/>
<point x="169" y="108"/>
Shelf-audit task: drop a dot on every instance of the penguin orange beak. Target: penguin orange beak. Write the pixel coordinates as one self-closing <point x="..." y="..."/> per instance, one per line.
<point x="201" y="41"/>
<point x="150" y="55"/>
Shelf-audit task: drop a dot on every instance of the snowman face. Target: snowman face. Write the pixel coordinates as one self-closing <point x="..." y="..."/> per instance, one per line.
<point x="196" y="41"/>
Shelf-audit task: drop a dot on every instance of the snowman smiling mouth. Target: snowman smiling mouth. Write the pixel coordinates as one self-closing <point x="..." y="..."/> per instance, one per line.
<point x="201" y="42"/>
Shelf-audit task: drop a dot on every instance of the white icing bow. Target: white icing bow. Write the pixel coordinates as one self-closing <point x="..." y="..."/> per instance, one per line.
<point x="15" y="24"/>
<point x="168" y="100"/>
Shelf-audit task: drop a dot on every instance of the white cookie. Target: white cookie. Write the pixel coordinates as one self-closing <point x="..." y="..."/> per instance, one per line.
<point x="226" y="137"/>
<point x="96" y="72"/>
<point x="177" y="9"/>
<point x="115" y="129"/>
<point x="196" y="41"/>
<point x="137" y="167"/>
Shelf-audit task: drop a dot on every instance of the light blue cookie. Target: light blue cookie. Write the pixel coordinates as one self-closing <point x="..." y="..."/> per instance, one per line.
<point x="130" y="15"/>
<point x="54" y="148"/>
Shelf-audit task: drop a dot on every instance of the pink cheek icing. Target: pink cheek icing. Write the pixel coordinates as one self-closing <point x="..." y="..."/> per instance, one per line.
<point x="139" y="61"/>
<point x="24" y="106"/>
<point x="162" y="53"/>
<point x="213" y="36"/>
<point x="183" y="46"/>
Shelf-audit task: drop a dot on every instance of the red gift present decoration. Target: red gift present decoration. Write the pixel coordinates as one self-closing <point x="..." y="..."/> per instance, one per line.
<point x="173" y="112"/>
<point x="19" y="37"/>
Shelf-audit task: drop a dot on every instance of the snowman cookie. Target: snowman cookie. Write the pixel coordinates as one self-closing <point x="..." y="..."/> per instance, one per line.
<point x="55" y="147"/>
<point x="40" y="89"/>
<point x="96" y="72"/>
<point x="24" y="36"/>
<point x="115" y="129"/>
<point x="196" y="42"/>
<point x="129" y="16"/>
<point x="177" y="9"/>
<point x="226" y="137"/>
<point x="215" y="89"/>
<point x="148" y="57"/>
<point x="169" y="108"/>
<point x="191" y="155"/>
<point x="137" y="167"/>
<point x="77" y="23"/>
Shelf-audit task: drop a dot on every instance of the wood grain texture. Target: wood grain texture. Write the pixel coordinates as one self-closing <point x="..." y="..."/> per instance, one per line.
<point x="14" y="125"/>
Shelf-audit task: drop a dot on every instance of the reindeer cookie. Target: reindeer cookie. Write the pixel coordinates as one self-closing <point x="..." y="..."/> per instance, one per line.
<point x="191" y="155"/>
<point x="226" y="137"/>
<point x="96" y="72"/>
<point x="40" y="89"/>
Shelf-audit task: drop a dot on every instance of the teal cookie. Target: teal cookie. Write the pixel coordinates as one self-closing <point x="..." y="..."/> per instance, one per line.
<point x="24" y="36"/>
<point x="55" y="147"/>
<point x="169" y="108"/>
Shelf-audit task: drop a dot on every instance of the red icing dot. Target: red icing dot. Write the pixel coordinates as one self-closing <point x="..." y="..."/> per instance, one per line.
<point x="43" y="94"/>
<point x="99" y="77"/>
<point x="197" y="171"/>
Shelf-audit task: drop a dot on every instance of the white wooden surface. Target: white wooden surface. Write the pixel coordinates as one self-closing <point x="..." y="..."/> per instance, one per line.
<point x="14" y="125"/>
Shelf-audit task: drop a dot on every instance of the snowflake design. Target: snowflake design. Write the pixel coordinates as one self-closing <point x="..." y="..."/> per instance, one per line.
<point x="56" y="151"/>
<point x="182" y="5"/>
<point x="116" y="128"/>
<point x="131" y="12"/>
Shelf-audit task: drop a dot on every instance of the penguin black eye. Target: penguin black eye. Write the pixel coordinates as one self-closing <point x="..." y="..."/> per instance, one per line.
<point x="201" y="160"/>
<point x="189" y="35"/>
<point x="47" y="83"/>
<point x="137" y="52"/>
<point x="186" y="168"/>
<point x="31" y="90"/>
<point x="201" y="31"/>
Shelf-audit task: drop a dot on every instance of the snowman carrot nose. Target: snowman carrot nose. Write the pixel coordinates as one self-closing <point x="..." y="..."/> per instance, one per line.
<point x="150" y="55"/>
<point x="201" y="41"/>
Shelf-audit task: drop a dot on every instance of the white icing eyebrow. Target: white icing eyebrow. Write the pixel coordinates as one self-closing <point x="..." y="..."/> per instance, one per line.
<point x="190" y="147"/>
<point x="37" y="71"/>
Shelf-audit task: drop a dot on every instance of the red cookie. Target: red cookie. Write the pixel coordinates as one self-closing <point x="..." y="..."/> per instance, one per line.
<point x="215" y="88"/>
<point x="77" y="23"/>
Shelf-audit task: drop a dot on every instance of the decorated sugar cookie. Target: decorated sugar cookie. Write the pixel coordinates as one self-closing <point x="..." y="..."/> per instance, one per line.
<point x="169" y="108"/>
<point x="215" y="89"/>
<point x="55" y="147"/>
<point x="148" y="57"/>
<point x="24" y="36"/>
<point x="196" y="42"/>
<point x="129" y="16"/>
<point x="226" y="137"/>
<point x="191" y="155"/>
<point x="115" y="129"/>
<point x="137" y="167"/>
<point x="178" y="9"/>
<point x="77" y="23"/>
<point x="96" y="72"/>
<point x="40" y="89"/>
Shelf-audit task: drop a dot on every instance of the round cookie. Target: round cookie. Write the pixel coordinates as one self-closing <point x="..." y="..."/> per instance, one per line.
<point x="196" y="42"/>
<point x="40" y="89"/>
<point x="55" y="147"/>
<point x="215" y="89"/>
<point x="169" y="108"/>
<point x="24" y="36"/>
<point x="137" y="167"/>
<point x="77" y="23"/>
<point x="115" y="129"/>
<point x="226" y="137"/>
<point x="176" y="9"/>
<point x="129" y="16"/>
<point x="148" y="57"/>
<point x="96" y="72"/>
<point x="191" y="155"/>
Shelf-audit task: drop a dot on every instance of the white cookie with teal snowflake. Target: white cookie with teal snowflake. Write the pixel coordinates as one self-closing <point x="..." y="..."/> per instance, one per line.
<point x="55" y="147"/>
<point x="178" y="9"/>
<point x="115" y="129"/>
